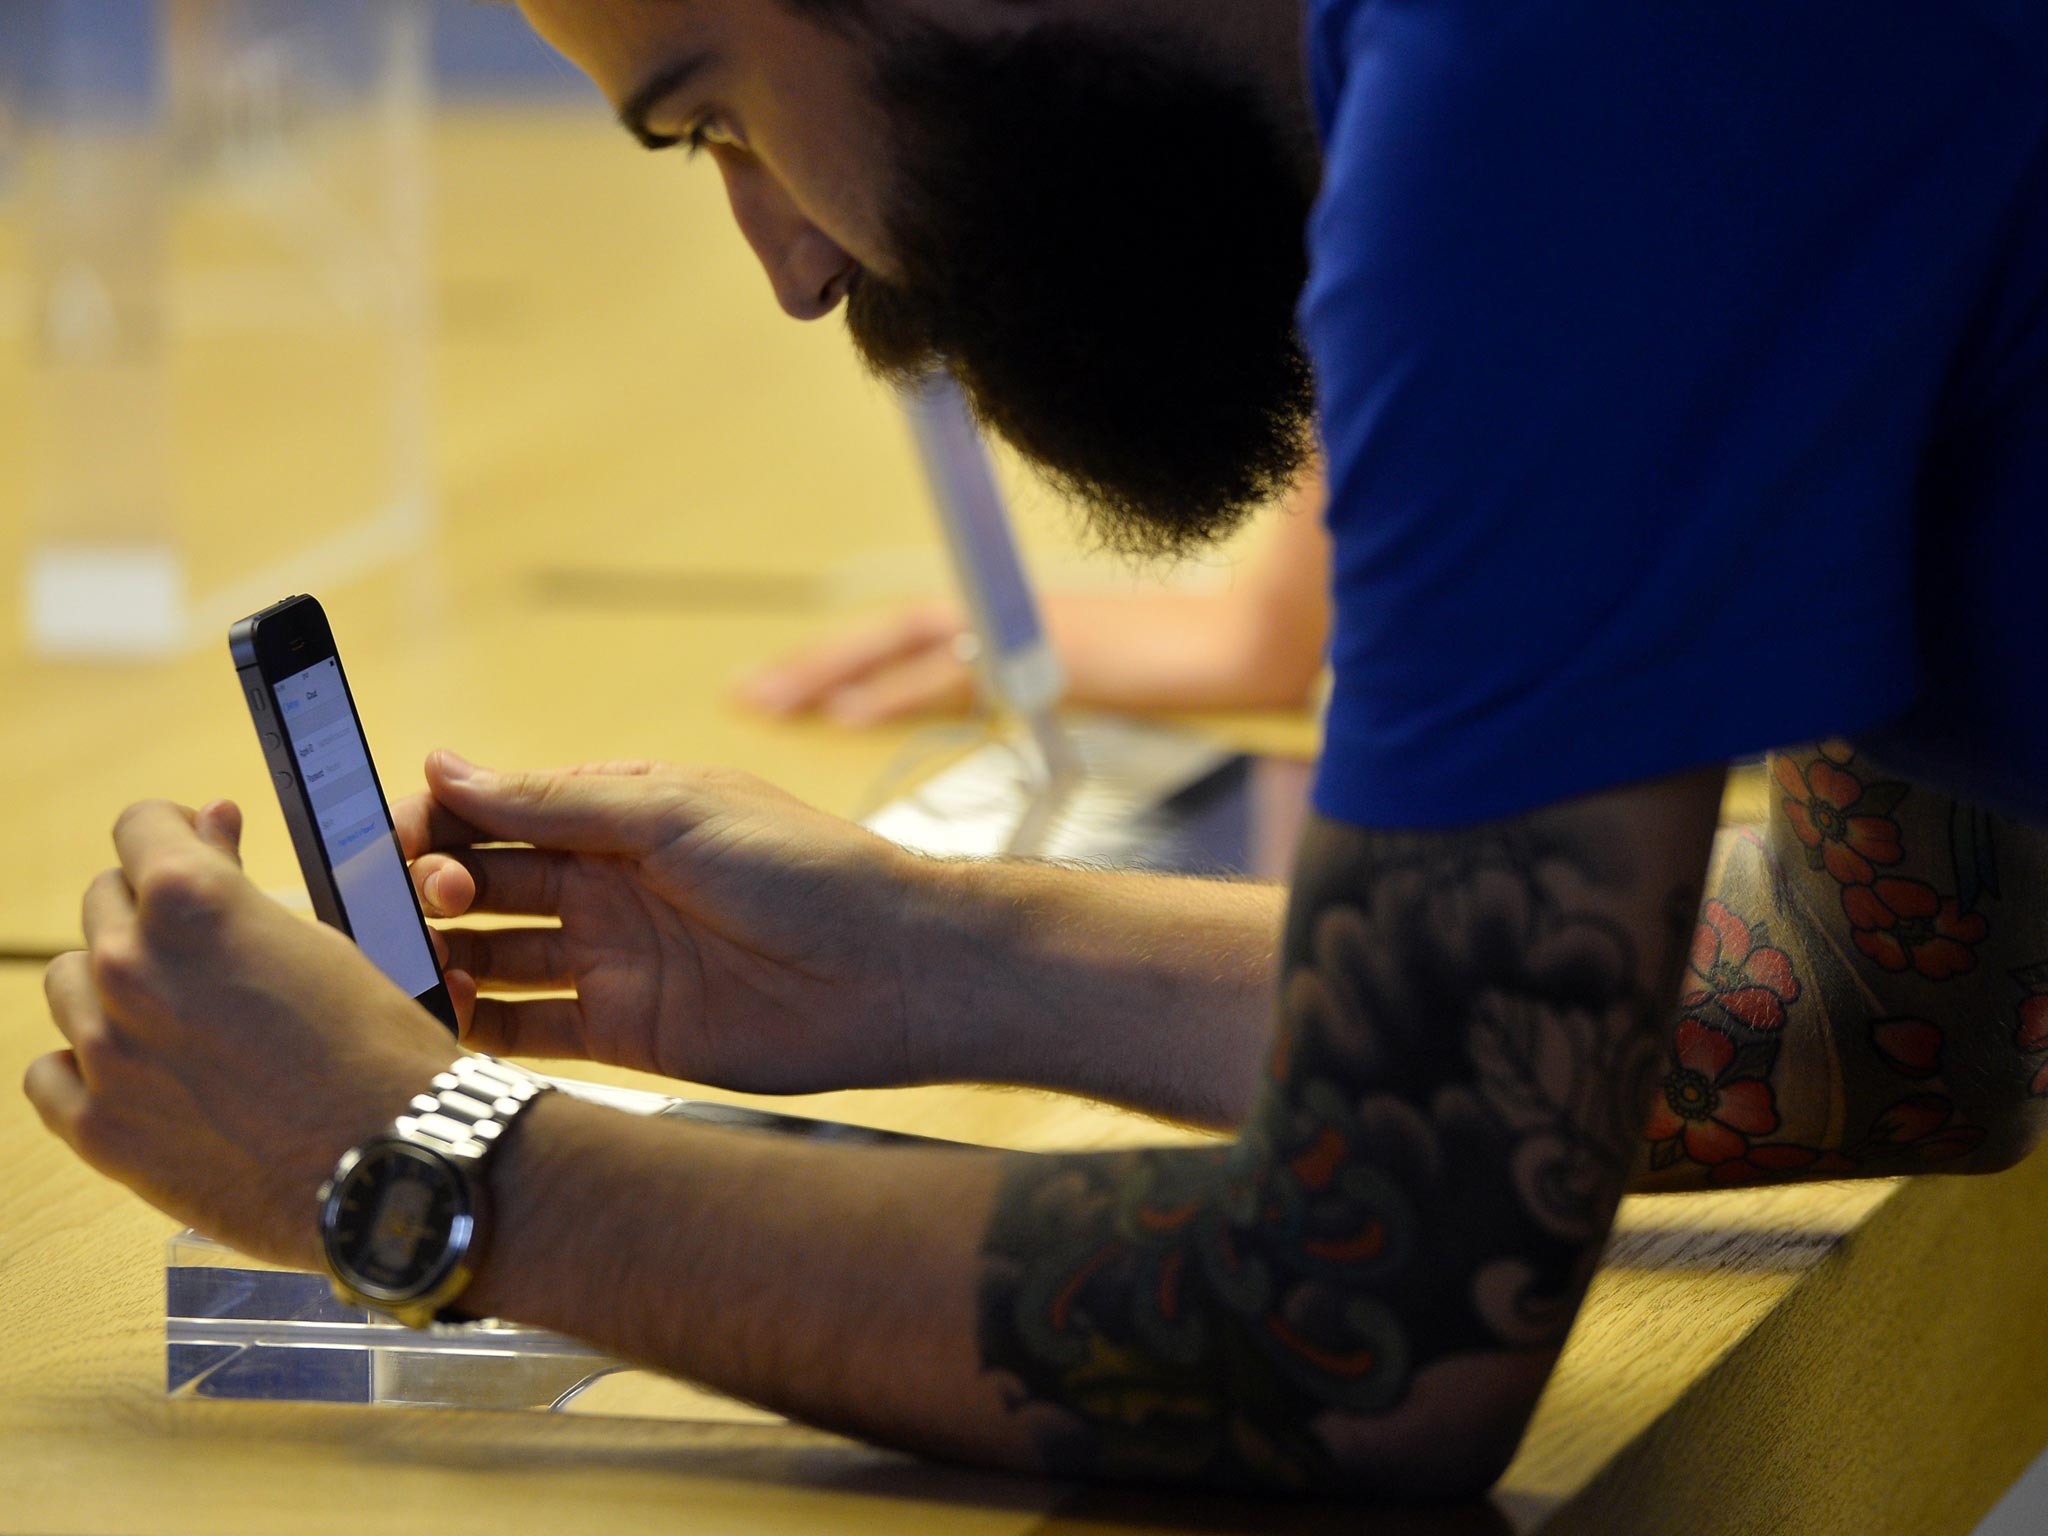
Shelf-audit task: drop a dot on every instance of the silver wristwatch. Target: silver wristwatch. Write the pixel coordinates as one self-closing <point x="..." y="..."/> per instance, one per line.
<point x="406" y="1215"/>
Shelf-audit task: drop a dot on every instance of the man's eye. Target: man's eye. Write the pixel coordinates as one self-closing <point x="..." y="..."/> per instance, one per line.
<point x="709" y="133"/>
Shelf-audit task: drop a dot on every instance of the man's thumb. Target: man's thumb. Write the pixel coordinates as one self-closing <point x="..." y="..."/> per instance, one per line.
<point x="219" y="823"/>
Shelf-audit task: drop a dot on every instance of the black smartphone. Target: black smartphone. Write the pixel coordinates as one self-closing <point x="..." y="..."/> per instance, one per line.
<point x="341" y="826"/>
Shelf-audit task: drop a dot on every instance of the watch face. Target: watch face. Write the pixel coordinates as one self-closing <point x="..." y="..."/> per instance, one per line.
<point x="393" y="1222"/>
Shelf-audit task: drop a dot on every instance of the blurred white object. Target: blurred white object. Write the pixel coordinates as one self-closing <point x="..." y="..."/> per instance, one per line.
<point x="112" y="599"/>
<point x="226" y="300"/>
<point x="1016" y="661"/>
<point x="1019" y="671"/>
<point x="998" y="800"/>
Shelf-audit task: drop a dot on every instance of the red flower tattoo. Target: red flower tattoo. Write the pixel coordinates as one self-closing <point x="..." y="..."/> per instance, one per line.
<point x="1907" y="925"/>
<point x="1925" y="1125"/>
<point x="1733" y="970"/>
<point x="1912" y="1046"/>
<point x="1706" y="1109"/>
<point x="2032" y="1036"/>
<point x="1780" y="1160"/>
<point x="1846" y="828"/>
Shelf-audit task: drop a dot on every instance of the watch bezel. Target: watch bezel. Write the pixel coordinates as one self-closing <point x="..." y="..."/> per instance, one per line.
<point x="448" y="1274"/>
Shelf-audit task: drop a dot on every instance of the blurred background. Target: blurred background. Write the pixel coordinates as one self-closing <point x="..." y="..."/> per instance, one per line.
<point x="371" y="299"/>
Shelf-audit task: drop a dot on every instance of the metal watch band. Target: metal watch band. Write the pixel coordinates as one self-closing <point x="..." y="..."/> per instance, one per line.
<point x="470" y="1107"/>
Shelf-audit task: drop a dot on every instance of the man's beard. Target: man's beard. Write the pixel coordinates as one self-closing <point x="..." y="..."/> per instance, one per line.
<point x="1105" y="245"/>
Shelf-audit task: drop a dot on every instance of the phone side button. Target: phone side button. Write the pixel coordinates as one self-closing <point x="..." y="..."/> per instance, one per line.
<point x="285" y="779"/>
<point x="257" y="702"/>
<point x="272" y="742"/>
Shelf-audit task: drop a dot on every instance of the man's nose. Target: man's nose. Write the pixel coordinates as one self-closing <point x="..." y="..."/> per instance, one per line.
<point x="809" y="271"/>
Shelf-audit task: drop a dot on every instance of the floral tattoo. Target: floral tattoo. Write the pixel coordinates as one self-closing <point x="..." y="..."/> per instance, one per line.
<point x="1453" y="1110"/>
<point x="1847" y="828"/>
<point x="1729" y="1109"/>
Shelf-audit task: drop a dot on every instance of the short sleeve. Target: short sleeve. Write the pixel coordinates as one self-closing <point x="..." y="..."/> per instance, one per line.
<point x="1630" y="323"/>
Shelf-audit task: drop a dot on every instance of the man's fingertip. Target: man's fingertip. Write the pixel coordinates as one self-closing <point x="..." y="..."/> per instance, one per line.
<point x="770" y="695"/>
<point x="851" y="706"/>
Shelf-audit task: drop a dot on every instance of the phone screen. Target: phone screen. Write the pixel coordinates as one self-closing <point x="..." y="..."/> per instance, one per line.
<point x="355" y="827"/>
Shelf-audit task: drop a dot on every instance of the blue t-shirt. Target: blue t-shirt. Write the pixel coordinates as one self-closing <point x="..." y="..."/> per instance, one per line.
<point x="1684" y="374"/>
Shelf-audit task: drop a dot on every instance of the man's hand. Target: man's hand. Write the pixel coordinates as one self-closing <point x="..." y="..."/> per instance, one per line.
<point x="712" y="928"/>
<point x="223" y="1053"/>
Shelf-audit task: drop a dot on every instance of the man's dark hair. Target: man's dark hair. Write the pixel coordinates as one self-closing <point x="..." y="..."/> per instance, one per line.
<point x="837" y="15"/>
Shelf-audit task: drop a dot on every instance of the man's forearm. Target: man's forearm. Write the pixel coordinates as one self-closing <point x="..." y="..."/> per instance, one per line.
<point x="834" y="1284"/>
<point x="1147" y="991"/>
<point x="1362" y="1293"/>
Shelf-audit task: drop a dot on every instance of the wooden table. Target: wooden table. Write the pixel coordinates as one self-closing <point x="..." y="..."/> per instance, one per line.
<point x="649" y="480"/>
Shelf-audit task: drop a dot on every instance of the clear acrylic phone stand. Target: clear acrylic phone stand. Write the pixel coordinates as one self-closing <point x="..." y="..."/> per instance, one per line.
<point x="238" y="1329"/>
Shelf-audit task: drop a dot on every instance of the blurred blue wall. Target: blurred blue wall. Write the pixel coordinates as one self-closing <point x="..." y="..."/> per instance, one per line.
<point x="486" y="50"/>
<point x="106" y="50"/>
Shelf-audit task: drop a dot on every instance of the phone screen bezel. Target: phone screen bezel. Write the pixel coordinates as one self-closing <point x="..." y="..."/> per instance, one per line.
<point x="288" y="640"/>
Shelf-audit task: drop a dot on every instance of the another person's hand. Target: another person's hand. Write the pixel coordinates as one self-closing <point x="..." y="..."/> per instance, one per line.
<point x="910" y="662"/>
<point x="1256" y="645"/>
<point x="712" y="928"/>
<point x="223" y="1052"/>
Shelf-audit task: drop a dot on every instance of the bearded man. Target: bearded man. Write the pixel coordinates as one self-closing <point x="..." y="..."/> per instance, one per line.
<point x="1681" y="372"/>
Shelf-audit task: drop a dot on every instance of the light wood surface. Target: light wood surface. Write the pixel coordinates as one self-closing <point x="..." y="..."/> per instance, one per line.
<point x="618" y="403"/>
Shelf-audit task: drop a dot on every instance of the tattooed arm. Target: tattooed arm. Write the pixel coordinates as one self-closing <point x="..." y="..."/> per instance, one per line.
<point x="1364" y="1292"/>
<point x="1867" y="990"/>
<point x="1367" y="1289"/>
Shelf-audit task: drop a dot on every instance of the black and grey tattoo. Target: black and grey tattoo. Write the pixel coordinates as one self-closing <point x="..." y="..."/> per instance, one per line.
<point x="1469" y="1041"/>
